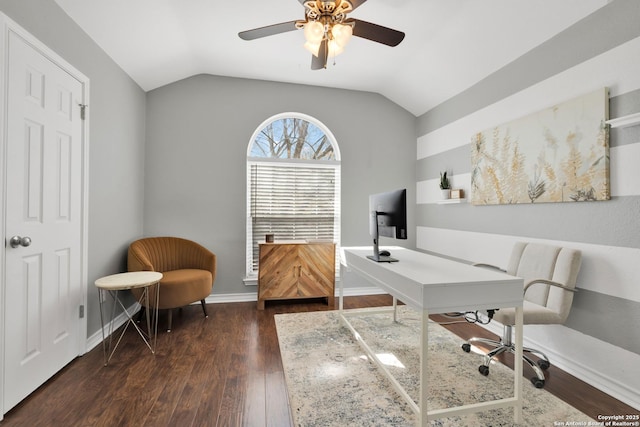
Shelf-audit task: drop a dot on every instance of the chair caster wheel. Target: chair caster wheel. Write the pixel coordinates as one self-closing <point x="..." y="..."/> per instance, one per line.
<point x="484" y="370"/>
<point x="466" y="347"/>
<point x="544" y="365"/>
<point x="537" y="382"/>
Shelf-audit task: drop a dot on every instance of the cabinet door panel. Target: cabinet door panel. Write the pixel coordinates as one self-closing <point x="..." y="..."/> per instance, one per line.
<point x="277" y="275"/>
<point x="317" y="273"/>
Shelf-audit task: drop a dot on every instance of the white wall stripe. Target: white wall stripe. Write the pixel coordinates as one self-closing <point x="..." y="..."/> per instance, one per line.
<point x="625" y="173"/>
<point x="605" y="269"/>
<point x="617" y="69"/>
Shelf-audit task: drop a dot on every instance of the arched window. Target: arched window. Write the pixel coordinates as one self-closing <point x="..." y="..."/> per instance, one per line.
<point x="293" y="183"/>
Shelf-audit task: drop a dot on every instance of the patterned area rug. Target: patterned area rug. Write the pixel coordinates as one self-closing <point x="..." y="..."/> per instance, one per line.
<point x="332" y="383"/>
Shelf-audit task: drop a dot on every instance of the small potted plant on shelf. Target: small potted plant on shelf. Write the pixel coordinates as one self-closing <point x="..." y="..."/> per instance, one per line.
<point x="445" y="186"/>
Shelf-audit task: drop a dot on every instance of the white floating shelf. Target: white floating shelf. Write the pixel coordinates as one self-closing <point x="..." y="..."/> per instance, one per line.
<point x="625" y="121"/>
<point x="451" y="201"/>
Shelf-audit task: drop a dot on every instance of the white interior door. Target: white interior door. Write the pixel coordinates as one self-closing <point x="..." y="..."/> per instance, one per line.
<point x="44" y="203"/>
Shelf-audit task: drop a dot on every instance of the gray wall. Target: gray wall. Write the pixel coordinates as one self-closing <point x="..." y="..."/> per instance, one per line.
<point x="192" y="136"/>
<point x="116" y="147"/>
<point x="198" y="131"/>
<point x="613" y="224"/>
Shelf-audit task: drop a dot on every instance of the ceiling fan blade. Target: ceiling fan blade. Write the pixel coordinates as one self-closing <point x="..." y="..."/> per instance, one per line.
<point x="269" y="30"/>
<point x="319" y="62"/>
<point x="356" y="3"/>
<point x="377" y="33"/>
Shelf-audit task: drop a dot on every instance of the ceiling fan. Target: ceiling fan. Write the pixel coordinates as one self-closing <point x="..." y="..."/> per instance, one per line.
<point x="327" y="29"/>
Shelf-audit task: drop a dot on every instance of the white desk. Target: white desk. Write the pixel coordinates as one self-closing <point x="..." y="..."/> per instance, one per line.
<point x="432" y="284"/>
<point x="127" y="281"/>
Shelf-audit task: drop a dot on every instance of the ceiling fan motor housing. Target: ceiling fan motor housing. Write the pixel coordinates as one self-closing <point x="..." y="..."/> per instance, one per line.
<point x="336" y="10"/>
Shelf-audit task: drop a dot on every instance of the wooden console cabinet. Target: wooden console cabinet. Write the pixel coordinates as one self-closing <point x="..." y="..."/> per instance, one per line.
<point x="296" y="270"/>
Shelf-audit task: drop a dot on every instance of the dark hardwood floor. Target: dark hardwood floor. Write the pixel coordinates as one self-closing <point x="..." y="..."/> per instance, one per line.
<point x="220" y="371"/>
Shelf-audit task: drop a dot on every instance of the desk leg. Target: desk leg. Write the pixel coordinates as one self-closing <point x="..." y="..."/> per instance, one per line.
<point x="517" y="368"/>
<point x="423" y="417"/>
<point x="340" y="297"/>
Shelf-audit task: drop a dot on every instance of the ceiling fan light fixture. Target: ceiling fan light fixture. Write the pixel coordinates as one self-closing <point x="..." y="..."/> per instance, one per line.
<point x="313" y="32"/>
<point x="334" y="48"/>
<point x="314" y="48"/>
<point x="341" y="34"/>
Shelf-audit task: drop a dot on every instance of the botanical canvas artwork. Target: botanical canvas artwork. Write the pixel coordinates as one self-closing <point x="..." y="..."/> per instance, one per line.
<point x="560" y="154"/>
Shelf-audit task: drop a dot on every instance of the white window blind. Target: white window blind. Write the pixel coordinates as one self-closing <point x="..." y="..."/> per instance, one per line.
<point x="298" y="201"/>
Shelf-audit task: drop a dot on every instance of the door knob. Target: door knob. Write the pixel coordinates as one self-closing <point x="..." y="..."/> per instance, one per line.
<point x="16" y="241"/>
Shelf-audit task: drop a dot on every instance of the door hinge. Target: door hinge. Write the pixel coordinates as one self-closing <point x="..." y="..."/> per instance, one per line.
<point x="82" y="312"/>
<point x="83" y="107"/>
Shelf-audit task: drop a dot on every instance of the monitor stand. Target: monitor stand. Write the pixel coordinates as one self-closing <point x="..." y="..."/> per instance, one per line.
<point x="381" y="258"/>
<point x="376" y="252"/>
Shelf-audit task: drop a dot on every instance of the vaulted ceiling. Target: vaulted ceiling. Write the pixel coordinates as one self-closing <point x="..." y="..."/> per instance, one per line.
<point x="449" y="45"/>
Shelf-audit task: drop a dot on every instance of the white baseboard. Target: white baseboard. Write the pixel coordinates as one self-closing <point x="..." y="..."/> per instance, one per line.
<point x="608" y="368"/>
<point x="253" y="296"/>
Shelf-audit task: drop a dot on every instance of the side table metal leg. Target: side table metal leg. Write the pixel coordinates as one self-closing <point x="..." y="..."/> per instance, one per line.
<point x="155" y="325"/>
<point x="152" y="316"/>
<point x="145" y="295"/>
<point x="116" y="302"/>
<point x="104" y="340"/>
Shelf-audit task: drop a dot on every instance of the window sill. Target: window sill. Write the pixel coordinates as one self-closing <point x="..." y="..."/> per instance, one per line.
<point x="250" y="281"/>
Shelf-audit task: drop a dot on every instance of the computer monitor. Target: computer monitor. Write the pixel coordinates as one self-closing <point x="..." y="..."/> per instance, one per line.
<point x="388" y="218"/>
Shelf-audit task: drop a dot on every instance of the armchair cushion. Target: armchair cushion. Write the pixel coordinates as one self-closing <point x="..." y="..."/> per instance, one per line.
<point x="174" y="293"/>
<point x="533" y="314"/>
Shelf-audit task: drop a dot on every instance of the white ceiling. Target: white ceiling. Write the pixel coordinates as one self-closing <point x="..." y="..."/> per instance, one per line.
<point x="449" y="44"/>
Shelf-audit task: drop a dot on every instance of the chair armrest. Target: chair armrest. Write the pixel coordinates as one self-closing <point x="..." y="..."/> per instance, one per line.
<point x="548" y="282"/>
<point x="493" y="267"/>
<point x="207" y="261"/>
<point x="197" y="256"/>
<point x="138" y="261"/>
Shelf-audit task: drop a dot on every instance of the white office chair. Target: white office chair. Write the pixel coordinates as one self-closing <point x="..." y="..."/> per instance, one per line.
<point x="549" y="274"/>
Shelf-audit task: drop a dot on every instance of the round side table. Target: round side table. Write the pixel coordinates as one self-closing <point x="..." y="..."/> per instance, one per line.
<point x="122" y="282"/>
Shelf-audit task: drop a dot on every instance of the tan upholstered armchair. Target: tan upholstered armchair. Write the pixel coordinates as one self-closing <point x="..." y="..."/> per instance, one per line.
<point x="188" y="269"/>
